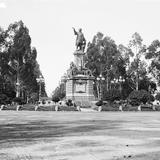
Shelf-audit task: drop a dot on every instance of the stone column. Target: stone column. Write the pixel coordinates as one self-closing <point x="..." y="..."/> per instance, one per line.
<point x="78" y="59"/>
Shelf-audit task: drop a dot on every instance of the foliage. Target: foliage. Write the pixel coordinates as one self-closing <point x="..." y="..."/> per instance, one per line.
<point x="59" y="92"/>
<point x="55" y="99"/>
<point x="126" y="54"/>
<point x="33" y="98"/>
<point x="153" y="54"/>
<point x="18" y="62"/>
<point x="69" y="102"/>
<point x="3" y="99"/>
<point x="101" y="54"/>
<point x="147" y="84"/>
<point x="99" y="103"/>
<point x="141" y="96"/>
<point x="108" y="107"/>
<point x="18" y="100"/>
<point x="126" y="88"/>
<point x="157" y="97"/>
<point x="103" y="57"/>
<point x="137" y="67"/>
<point x="112" y="95"/>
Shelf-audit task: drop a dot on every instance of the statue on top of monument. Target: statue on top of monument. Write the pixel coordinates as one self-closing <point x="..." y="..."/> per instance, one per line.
<point x="80" y="40"/>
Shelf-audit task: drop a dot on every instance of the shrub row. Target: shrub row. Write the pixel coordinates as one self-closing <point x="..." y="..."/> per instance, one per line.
<point x="135" y="97"/>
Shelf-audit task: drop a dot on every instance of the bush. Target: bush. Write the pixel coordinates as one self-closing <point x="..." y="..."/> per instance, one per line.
<point x="157" y="97"/>
<point x="141" y="96"/>
<point x="3" y="99"/>
<point x="112" y="95"/>
<point x="69" y="102"/>
<point x="99" y="103"/>
<point x="18" y="100"/>
<point x="55" y="99"/>
<point x="110" y="107"/>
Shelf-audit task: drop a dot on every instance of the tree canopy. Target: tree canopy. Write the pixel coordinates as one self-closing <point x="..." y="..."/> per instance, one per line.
<point x="18" y="64"/>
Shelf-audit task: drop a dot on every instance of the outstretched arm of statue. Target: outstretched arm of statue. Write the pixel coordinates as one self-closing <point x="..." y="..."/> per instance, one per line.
<point x="75" y="32"/>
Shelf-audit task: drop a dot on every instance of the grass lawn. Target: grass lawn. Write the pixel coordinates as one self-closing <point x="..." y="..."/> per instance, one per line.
<point x="27" y="135"/>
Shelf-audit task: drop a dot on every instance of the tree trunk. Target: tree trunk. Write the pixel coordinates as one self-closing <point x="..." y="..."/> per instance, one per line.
<point x="137" y="81"/>
<point x="107" y="86"/>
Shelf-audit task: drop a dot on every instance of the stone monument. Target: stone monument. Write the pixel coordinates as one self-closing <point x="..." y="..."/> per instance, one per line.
<point x="79" y="84"/>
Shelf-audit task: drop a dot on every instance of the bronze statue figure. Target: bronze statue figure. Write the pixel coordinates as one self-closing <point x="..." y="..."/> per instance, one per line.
<point x="80" y="40"/>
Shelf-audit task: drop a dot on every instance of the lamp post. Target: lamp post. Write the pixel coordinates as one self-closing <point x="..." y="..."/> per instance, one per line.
<point x="17" y="88"/>
<point x="121" y="80"/>
<point x="40" y="80"/>
<point x="100" y="79"/>
<point x="17" y="79"/>
<point x="114" y="81"/>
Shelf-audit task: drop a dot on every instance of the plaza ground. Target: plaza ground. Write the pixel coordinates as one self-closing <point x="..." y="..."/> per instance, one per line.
<point x="27" y="135"/>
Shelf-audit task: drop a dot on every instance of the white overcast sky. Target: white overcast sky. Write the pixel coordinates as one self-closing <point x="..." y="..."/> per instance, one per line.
<point x="50" y="24"/>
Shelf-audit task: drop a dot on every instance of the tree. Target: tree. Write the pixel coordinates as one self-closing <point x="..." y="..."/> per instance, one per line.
<point x="23" y="59"/>
<point x="153" y="54"/>
<point x="18" y="65"/>
<point x="102" y="58"/>
<point x="4" y="99"/>
<point x="112" y="95"/>
<point x="19" y="50"/>
<point x="147" y="84"/>
<point x="157" y="97"/>
<point x="137" y="66"/>
<point x="126" y="54"/>
<point x="59" y="92"/>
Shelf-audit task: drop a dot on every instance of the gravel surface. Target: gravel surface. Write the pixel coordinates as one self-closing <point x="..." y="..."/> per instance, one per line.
<point x="27" y="135"/>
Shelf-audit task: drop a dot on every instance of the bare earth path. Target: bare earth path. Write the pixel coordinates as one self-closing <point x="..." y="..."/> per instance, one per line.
<point x="79" y="135"/>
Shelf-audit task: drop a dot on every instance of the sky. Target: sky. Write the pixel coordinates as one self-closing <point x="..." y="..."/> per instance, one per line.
<point x="50" y="25"/>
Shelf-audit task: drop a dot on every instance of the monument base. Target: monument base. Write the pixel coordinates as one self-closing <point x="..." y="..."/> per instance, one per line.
<point x="79" y="84"/>
<point x="80" y="89"/>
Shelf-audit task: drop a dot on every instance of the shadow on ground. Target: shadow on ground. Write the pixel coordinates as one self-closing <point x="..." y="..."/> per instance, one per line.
<point x="46" y="129"/>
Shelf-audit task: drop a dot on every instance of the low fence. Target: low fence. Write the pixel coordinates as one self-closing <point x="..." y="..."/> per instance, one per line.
<point x="126" y="108"/>
<point x="29" y="107"/>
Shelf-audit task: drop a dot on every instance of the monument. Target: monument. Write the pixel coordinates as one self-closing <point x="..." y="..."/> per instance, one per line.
<point x="79" y="84"/>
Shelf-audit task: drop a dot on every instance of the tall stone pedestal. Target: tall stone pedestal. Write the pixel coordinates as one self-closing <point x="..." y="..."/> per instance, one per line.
<point x="80" y="88"/>
<point x="79" y="85"/>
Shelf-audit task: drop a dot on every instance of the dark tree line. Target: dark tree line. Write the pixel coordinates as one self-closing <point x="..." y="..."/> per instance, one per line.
<point x="18" y="65"/>
<point x="125" y="68"/>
